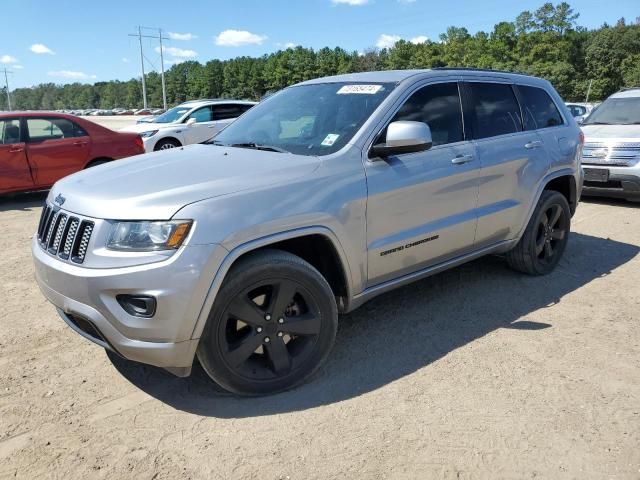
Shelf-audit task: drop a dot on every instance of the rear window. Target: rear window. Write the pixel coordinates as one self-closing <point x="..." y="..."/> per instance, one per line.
<point x="494" y="110"/>
<point x="41" y="129"/>
<point x="538" y="109"/>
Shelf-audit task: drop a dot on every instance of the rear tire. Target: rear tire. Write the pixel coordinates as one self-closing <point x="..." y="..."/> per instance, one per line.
<point x="166" y="144"/>
<point x="95" y="163"/>
<point x="545" y="238"/>
<point x="272" y="325"/>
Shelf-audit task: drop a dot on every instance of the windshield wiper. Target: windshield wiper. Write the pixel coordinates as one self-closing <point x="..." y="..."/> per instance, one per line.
<point x="597" y="123"/>
<point x="257" y="146"/>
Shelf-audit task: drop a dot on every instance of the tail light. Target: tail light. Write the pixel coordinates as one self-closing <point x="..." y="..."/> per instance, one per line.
<point x="581" y="137"/>
<point x="140" y="144"/>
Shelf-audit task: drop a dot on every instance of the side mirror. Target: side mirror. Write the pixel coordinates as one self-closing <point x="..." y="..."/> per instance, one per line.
<point x="191" y="121"/>
<point x="404" y="137"/>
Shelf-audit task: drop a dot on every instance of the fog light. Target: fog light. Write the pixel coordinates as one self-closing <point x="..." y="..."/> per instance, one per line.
<point x="138" y="305"/>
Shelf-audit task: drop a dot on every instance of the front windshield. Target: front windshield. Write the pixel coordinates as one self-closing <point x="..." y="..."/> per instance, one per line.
<point x="316" y="119"/>
<point x="616" y="111"/>
<point x="172" y="115"/>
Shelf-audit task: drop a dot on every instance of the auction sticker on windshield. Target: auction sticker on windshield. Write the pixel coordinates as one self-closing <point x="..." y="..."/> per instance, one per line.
<point x="362" y="89"/>
<point x="330" y="139"/>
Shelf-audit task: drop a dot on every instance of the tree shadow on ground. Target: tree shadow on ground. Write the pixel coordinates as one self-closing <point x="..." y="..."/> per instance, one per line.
<point x="398" y="333"/>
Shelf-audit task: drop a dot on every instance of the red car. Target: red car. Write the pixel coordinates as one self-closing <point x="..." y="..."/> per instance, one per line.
<point x="37" y="149"/>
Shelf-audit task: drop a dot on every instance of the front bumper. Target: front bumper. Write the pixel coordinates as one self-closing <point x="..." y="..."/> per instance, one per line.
<point x="86" y="300"/>
<point x="624" y="182"/>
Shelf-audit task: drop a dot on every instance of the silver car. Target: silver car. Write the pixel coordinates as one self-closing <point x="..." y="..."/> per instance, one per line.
<point x="243" y="251"/>
<point x="611" y="156"/>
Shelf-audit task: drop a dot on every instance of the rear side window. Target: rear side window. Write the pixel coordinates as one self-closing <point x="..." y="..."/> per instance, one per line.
<point x="538" y="109"/>
<point x="493" y="110"/>
<point x="438" y="106"/>
<point x="41" y="129"/>
<point x="9" y="131"/>
<point x="227" y="111"/>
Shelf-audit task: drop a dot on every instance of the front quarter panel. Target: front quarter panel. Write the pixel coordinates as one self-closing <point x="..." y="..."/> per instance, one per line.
<point x="331" y="202"/>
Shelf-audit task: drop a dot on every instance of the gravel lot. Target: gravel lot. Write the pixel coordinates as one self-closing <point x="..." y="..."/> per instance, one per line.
<point x="476" y="372"/>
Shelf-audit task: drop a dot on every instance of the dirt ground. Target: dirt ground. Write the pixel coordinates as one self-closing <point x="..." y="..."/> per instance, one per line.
<point x="478" y="372"/>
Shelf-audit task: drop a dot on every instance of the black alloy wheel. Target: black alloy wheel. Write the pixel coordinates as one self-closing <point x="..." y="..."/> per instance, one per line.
<point x="272" y="325"/>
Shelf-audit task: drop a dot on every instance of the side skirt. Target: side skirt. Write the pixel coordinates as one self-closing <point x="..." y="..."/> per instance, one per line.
<point x="376" y="290"/>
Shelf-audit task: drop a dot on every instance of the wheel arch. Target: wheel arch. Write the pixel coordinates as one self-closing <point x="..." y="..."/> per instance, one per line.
<point x="552" y="181"/>
<point x="98" y="159"/>
<point x="172" y="137"/>
<point x="312" y="244"/>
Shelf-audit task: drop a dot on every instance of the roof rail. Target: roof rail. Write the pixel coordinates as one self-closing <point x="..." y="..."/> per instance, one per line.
<point x="471" y="69"/>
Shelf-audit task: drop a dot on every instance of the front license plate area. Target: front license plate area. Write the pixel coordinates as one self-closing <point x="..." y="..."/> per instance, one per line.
<point x="596" y="175"/>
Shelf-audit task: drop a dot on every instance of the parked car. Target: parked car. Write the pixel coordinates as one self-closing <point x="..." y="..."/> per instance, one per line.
<point x="39" y="148"/>
<point x="611" y="155"/>
<point x="243" y="250"/>
<point x="190" y="122"/>
<point x="579" y="111"/>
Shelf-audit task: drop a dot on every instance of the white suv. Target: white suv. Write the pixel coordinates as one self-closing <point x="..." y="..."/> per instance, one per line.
<point x="611" y="155"/>
<point x="190" y="122"/>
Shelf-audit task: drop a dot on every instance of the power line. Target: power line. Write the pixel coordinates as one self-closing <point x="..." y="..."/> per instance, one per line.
<point x="6" y="83"/>
<point x="142" y="57"/>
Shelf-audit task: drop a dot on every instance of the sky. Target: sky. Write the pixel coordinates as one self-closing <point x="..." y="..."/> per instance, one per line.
<point x="67" y="41"/>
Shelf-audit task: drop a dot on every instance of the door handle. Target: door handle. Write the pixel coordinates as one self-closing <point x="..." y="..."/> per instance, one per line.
<point x="16" y="149"/>
<point x="211" y="126"/>
<point x="534" y="144"/>
<point x="461" y="159"/>
<point x="79" y="143"/>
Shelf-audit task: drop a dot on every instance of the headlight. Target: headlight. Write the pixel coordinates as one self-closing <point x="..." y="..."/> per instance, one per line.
<point x="148" y="134"/>
<point x="148" y="236"/>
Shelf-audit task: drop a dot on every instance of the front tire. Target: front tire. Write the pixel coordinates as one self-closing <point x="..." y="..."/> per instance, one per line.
<point x="272" y="325"/>
<point x="166" y="144"/>
<point x="545" y="238"/>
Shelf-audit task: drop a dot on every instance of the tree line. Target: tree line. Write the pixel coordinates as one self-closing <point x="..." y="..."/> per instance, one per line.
<point x="547" y="43"/>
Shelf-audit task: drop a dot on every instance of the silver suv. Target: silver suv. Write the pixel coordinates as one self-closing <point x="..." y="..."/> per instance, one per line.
<point x="243" y="251"/>
<point x="611" y="156"/>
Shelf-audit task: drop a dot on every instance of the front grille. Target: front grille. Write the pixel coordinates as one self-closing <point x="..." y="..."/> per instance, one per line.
<point x="64" y="235"/>
<point x="624" y="154"/>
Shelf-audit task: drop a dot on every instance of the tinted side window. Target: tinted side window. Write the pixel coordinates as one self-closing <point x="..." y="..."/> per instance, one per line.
<point x="439" y="106"/>
<point x="9" y="131"/>
<point x="538" y="110"/>
<point x="225" y="112"/>
<point x="493" y="110"/>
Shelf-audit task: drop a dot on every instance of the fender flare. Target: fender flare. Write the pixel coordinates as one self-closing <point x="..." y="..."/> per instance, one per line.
<point x="255" y="244"/>
<point x="564" y="172"/>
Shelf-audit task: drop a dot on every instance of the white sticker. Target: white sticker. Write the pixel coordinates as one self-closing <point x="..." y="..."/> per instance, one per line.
<point x="363" y="89"/>
<point x="330" y="139"/>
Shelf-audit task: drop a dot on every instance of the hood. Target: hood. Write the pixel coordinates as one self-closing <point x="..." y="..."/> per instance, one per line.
<point x="146" y="126"/>
<point x="622" y="133"/>
<point x="156" y="185"/>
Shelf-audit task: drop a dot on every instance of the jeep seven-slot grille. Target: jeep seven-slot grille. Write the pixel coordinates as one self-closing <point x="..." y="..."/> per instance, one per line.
<point x="64" y="235"/>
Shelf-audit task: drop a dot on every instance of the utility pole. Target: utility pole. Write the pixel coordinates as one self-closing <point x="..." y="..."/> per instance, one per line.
<point x="144" y="85"/>
<point x="6" y="83"/>
<point x="588" y="91"/>
<point x="164" y="88"/>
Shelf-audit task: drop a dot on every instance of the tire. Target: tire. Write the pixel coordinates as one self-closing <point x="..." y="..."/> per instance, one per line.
<point x="545" y="238"/>
<point x="272" y="325"/>
<point x="95" y="163"/>
<point x="166" y="144"/>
